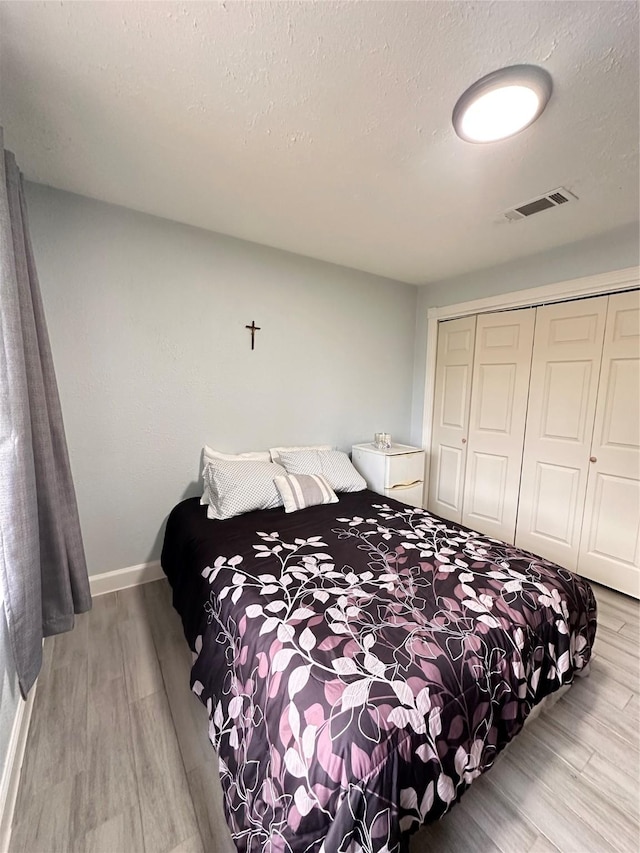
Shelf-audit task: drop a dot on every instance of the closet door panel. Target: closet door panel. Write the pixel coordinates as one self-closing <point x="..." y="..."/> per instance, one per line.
<point x="567" y="353"/>
<point x="500" y="388"/>
<point x="609" y="550"/>
<point x="454" y="360"/>
<point x="555" y="503"/>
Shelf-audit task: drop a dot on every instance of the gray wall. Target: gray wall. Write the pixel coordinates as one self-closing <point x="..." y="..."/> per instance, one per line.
<point x="613" y="250"/>
<point x="146" y="319"/>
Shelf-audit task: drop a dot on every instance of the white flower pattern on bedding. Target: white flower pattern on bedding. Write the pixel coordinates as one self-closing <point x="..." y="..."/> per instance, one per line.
<point x="358" y="682"/>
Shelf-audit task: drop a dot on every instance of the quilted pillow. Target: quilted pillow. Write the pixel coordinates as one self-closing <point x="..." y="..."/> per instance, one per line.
<point x="334" y="465"/>
<point x="210" y="455"/>
<point x="298" y="491"/>
<point x="239" y="487"/>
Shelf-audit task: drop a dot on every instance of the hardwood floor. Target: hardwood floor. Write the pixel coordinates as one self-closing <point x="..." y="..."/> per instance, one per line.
<point x="118" y="759"/>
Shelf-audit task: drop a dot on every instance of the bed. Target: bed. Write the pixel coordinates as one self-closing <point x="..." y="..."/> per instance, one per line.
<point x="363" y="662"/>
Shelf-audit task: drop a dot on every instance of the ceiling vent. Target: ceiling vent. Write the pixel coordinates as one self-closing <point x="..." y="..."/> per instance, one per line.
<point x="554" y="198"/>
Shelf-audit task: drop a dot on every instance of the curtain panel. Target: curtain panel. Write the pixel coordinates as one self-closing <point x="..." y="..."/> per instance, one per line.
<point x="43" y="573"/>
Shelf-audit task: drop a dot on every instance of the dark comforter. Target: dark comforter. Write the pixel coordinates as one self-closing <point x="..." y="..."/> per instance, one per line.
<point x="363" y="662"/>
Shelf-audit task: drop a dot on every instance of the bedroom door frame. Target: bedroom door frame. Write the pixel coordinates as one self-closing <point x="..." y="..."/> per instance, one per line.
<point x="562" y="291"/>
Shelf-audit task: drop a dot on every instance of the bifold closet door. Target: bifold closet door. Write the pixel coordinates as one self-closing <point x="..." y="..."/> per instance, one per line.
<point x="611" y="527"/>
<point x="499" y="394"/>
<point x="567" y="353"/>
<point x="454" y="364"/>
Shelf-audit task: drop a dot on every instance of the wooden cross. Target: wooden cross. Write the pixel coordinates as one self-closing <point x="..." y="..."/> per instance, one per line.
<point x="253" y="329"/>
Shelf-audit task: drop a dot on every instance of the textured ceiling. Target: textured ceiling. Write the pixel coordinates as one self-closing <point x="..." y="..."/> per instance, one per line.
<point x="324" y="128"/>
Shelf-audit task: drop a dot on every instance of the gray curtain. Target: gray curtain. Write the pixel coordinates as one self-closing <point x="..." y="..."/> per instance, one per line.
<point x="43" y="573"/>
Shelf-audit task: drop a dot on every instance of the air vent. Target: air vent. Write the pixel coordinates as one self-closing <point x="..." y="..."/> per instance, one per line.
<point x="554" y="198"/>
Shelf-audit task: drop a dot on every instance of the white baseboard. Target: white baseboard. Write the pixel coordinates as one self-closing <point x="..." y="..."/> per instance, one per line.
<point x="13" y="766"/>
<point x="124" y="578"/>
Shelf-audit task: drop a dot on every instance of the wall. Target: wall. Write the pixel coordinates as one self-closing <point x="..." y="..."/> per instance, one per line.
<point x="146" y="319"/>
<point x="612" y="250"/>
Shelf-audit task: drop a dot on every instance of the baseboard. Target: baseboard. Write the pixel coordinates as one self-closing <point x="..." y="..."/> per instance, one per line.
<point x="124" y="578"/>
<point x="13" y="765"/>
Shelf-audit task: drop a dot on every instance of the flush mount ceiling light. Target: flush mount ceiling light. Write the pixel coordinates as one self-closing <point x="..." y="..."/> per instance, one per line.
<point x="502" y="104"/>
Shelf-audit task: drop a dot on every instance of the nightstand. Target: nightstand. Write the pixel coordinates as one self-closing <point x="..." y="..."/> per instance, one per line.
<point x="397" y="472"/>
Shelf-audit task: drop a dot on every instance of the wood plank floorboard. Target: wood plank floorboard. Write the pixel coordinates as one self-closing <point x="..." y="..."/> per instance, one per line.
<point x="204" y="784"/>
<point x="57" y="742"/>
<point x="121" y="832"/>
<point x="608" y="618"/>
<point x="498" y="817"/>
<point x="191" y="845"/>
<point x="632" y="708"/>
<point x="620" y="782"/>
<point x="106" y="661"/>
<point x="161" y="776"/>
<point x="118" y="758"/>
<point x="452" y="836"/>
<point x="111" y="783"/>
<point x="70" y="648"/>
<point x="543" y="845"/>
<point x="596" y="809"/>
<point x="606" y="671"/>
<point x="630" y="631"/>
<point x="546" y="810"/>
<point x="594" y="691"/>
<point x="141" y="666"/>
<point x="545" y="732"/>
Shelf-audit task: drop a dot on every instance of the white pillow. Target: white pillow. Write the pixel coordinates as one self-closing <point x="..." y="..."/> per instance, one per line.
<point x="276" y="451"/>
<point x="239" y="487"/>
<point x="334" y="465"/>
<point x="298" y="491"/>
<point x="211" y="455"/>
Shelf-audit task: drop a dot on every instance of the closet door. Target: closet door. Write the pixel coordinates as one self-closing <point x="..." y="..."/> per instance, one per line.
<point x="500" y="390"/>
<point x="567" y="352"/>
<point x="611" y="527"/>
<point x="454" y="362"/>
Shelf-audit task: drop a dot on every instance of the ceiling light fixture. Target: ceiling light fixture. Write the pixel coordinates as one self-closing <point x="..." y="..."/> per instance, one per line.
<point x="502" y="104"/>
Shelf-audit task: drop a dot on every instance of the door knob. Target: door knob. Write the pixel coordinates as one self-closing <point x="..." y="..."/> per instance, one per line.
<point x="464" y="440"/>
<point x="592" y="459"/>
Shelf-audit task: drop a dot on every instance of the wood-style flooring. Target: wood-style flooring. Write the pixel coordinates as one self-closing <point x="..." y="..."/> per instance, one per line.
<point x="118" y="759"/>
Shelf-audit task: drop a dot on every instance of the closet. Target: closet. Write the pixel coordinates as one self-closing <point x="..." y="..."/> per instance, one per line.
<point x="536" y="432"/>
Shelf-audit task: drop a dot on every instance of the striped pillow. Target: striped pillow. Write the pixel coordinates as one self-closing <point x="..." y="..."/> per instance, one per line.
<point x="303" y="490"/>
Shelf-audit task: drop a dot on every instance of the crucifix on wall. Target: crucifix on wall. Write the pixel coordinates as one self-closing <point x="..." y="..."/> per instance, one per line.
<point x="253" y="329"/>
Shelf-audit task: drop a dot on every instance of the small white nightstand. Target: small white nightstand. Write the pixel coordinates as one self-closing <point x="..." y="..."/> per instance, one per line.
<point x="397" y="472"/>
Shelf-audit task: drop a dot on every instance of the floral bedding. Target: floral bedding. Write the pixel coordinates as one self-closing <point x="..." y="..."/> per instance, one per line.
<point x="363" y="662"/>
